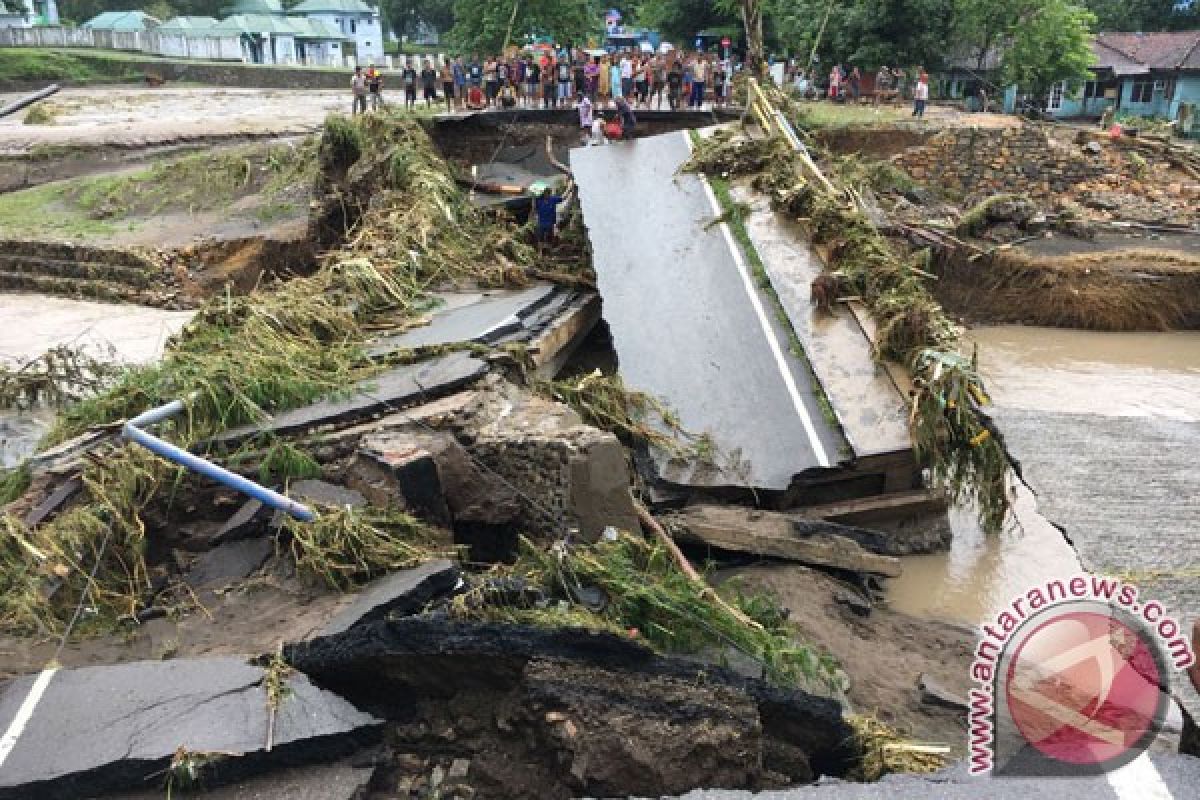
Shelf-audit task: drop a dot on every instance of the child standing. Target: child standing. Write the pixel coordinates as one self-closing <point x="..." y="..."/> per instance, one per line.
<point x="585" y="114"/>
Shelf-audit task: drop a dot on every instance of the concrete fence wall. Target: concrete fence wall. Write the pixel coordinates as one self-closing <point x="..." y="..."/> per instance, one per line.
<point x="213" y="48"/>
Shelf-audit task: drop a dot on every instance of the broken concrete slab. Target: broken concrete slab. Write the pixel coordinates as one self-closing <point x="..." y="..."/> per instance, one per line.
<point x="620" y="697"/>
<point x="483" y="510"/>
<point x="766" y="533"/>
<point x="404" y="592"/>
<point x="401" y="474"/>
<point x="314" y="782"/>
<point x="322" y="493"/>
<point x="934" y="694"/>
<point x="229" y="562"/>
<point x="485" y="317"/>
<point x="390" y="391"/>
<point x="543" y="449"/>
<point x="249" y="520"/>
<point x="104" y="729"/>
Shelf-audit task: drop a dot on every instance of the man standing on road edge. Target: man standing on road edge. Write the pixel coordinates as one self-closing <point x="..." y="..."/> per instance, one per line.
<point x="358" y="88"/>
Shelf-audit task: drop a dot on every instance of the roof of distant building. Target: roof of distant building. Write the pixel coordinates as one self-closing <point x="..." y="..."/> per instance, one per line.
<point x="332" y="7"/>
<point x="188" y="25"/>
<point x="238" y="7"/>
<point x="1134" y="53"/>
<point x="122" y="21"/>
<point x="307" y="28"/>
<point x="298" y="27"/>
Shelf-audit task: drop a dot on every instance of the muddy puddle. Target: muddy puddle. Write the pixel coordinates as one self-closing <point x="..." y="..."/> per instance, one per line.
<point x="33" y="324"/>
<point x="1054" y="370"/>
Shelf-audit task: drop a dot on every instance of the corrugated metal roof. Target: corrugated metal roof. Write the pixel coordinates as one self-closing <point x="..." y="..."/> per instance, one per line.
<point x="1173" y="50"/>
<point x="240" y="7"/>
<point x="307" y="28"/>
<point x="299" y="27"/>
<point x="122" y="21"/>
<point x="332" y="7"/>
<point x="188" y="25"/>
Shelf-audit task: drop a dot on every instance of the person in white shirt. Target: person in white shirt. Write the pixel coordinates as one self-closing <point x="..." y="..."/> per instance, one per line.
<point x="626" y="76"/>
<point x="920" y="94"/>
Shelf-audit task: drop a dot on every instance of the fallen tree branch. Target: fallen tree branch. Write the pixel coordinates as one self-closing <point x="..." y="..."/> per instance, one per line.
<point x="686" y="567"/>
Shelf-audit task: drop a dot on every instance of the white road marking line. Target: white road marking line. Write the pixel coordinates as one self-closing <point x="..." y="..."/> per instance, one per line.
<point x="25" y="713"/>
<point x="789" y="381"/>
<point x="1139" y="780"/>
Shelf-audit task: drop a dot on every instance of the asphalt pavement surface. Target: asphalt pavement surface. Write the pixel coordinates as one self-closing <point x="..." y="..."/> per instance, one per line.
<point x="689" y="324"/>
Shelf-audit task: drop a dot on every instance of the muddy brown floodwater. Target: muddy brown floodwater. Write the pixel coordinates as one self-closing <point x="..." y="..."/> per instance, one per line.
<point x="1053" y="370"/>
<point x="33" y="323"/>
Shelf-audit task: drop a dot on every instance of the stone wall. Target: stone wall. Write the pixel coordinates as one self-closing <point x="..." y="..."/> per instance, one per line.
<point x="977" y="162"/>
<point x="570" y="475"/>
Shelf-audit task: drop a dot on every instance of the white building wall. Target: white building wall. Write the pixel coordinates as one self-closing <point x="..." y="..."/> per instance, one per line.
<point x="368" y="37"/>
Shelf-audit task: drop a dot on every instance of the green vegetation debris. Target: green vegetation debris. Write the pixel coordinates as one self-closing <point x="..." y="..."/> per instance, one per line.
<point x="886" y="751"/>
<point x="285" y="462"/>
<point x="57" y="378"/>
<point x="43" y="113"/>
<point x="14" y="482"/>
<point x="240" y="359"/>
<point x="604" y="401"/>
<point x="345" y="547"/>
<point x="647" y="596"/>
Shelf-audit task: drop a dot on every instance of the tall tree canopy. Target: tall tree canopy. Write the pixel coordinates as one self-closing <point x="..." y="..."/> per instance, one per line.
<point x="1143" y="15"/>
<point x="480" y="25"/>
<point x="404" y="15"/>
<point x="1050" y="44"/>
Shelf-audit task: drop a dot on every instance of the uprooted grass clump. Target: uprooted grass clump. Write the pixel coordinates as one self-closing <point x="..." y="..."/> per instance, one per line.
<point x="605" y="402"/>
<point x="633" y="586"/>
<point x="886" y="751"/>
<point x="951" y="435"/>
<point x="59" y="377"/>
<point x="416" y="218"/>
<point x="41" y="114"/>
<point x="238" y="360"/>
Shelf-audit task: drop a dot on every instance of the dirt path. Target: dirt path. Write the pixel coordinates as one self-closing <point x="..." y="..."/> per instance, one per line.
<point x="142" y="117"/>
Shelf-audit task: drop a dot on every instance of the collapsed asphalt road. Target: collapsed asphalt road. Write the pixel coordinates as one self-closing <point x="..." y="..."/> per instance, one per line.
<point x="689" y="324"/>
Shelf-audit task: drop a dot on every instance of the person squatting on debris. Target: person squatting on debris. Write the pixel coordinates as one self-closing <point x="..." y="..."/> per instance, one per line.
<point x="358" y="88"/>
<point x="546" y="207"/>
<point x="628" y="120"/>
<point x="374" y="87"/>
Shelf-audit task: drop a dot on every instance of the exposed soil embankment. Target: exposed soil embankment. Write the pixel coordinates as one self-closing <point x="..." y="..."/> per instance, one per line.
<point x="1117" y="290"/>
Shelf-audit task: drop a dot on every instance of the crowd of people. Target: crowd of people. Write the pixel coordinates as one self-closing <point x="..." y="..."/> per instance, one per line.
<point x="550" y="79"/>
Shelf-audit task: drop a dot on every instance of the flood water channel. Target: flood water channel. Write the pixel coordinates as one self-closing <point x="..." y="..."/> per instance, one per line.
<point x="1048" y="370"/>
<point x="35" y="323"/>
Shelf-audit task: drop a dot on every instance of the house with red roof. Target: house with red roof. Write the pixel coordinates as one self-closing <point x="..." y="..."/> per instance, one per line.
<point x="1147" y="74"/>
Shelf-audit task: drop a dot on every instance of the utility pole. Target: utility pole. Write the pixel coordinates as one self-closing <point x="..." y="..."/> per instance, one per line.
<point x="511" y="21"/>
<point x="752" y="20"/>
<point x="821" y="32"/>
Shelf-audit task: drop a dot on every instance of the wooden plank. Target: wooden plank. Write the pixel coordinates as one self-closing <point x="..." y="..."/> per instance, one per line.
<point x="767" y="533"/>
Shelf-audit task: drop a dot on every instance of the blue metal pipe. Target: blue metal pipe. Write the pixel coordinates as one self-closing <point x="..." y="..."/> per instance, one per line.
<point x="133" y="432"/>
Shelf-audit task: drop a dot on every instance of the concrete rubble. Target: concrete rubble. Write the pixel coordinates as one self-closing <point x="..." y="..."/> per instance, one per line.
<point x="100" y="729"/>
